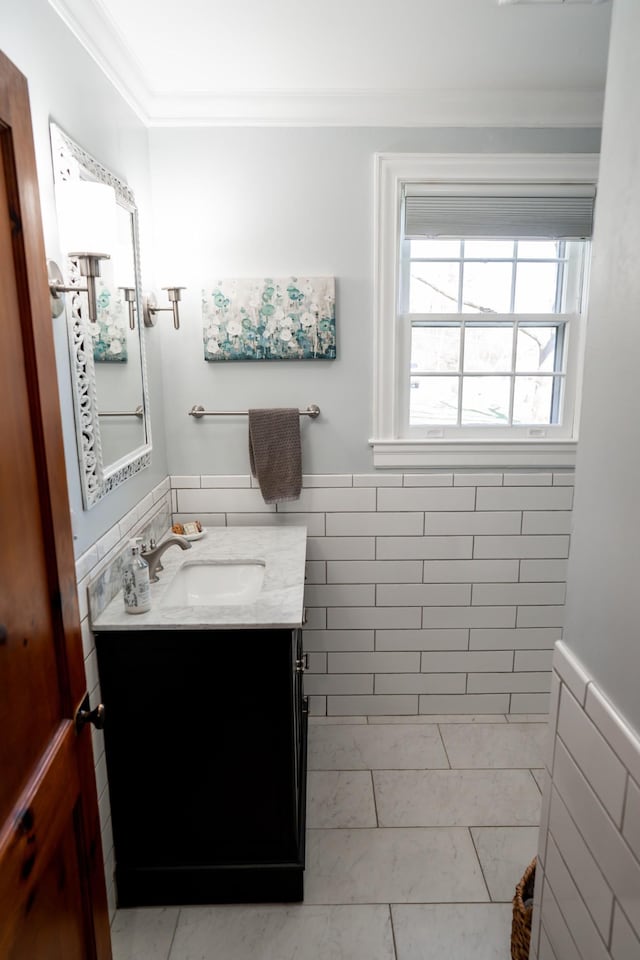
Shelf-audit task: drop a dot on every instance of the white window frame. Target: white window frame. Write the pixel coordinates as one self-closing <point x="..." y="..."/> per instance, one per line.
<point x="390" y="379"/>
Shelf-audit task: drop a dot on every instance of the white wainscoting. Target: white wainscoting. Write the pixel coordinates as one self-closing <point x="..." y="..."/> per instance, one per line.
<point x="426" y="593"/>
<point x="587" y="901"/>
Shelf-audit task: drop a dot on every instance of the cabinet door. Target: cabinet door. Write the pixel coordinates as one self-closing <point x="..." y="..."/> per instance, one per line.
<point x="199" y="746"/>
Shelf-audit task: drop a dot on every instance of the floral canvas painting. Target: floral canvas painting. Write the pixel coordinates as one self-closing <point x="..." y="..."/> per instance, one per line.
<point x="110" y="333"/>
<point x="271" y="319"/>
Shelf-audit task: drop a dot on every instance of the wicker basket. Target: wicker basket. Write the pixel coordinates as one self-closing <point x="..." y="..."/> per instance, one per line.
<point x="521" y="924"/>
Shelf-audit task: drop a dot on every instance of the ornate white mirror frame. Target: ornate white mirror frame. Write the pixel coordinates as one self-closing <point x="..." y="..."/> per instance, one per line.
<point x="97" y="479"/>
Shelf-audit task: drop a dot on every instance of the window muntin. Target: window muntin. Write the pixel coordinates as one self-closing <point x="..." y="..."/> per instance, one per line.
<point x="487" y="330"/>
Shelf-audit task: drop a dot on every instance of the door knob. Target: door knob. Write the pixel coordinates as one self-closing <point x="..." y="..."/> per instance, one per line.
<point x="86" y="715"/>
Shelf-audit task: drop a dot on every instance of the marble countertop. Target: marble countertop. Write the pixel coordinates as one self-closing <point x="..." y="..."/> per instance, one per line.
<point x="279" y="603"/>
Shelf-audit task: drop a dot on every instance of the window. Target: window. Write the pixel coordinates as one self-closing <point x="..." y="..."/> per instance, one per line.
<point x="481" y="268"/>
<point x="488" y="323"/>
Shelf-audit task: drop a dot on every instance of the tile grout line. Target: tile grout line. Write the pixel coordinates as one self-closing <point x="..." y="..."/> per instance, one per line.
<point x="443" y="746"/>
<point x="375" y="804"/>
<point x="437" y="826"/>
<point x="173" y="935"/>
<point x="383" y="903"/>
<point x="422" y="769"/>
<point x="484" y="879"/>
<point x="625" y="800"/>
<point x="393" y="934"/>
<point x="531" y="769"/>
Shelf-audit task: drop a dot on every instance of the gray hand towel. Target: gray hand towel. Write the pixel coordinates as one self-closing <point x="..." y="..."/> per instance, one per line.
<point x="275" y="454"/>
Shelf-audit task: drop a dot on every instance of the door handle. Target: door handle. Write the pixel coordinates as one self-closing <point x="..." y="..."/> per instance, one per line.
<point x="86" y="715"/>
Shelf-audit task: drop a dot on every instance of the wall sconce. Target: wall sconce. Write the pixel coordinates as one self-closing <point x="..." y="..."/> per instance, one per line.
<point x="87" y="224"/>
<point x="89" y="266"/>
<point x="149" y="308"/>
<point x="129" y="297"/>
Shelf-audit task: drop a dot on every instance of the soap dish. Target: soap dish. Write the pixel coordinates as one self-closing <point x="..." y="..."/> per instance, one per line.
<point x="195" y="536"/>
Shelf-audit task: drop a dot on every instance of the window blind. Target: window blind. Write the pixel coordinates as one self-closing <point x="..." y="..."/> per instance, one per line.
<point x="495" y="211"/>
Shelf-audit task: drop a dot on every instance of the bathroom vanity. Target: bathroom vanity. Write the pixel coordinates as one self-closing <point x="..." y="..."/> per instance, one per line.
<point x="206" y="726"/>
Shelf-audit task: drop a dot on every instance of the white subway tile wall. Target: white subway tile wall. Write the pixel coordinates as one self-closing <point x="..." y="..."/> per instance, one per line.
<point x="427" y="480"/>
<point x="92" y="564"/>
<point x="588" y="875"/>
<point x="428" y="592"/>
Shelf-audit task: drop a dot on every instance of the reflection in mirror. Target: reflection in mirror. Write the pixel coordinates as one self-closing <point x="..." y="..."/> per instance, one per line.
<point x="97" y="215"/>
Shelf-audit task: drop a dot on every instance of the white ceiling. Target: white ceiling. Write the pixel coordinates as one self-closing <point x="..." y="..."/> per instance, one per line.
<point x="364" y="62"/>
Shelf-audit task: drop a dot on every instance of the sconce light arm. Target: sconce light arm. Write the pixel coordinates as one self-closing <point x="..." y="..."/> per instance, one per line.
<point x="150" y="308"/>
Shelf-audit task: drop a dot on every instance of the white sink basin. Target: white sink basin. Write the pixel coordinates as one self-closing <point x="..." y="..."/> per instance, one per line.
<point x="215" y="583"/>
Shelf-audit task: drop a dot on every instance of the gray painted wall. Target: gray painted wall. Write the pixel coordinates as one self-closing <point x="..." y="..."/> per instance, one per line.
<point x="602" y="616"/>
<point x="255" y="202"/>
<point x="234" y="201"/>
<point x="65" y="85"/>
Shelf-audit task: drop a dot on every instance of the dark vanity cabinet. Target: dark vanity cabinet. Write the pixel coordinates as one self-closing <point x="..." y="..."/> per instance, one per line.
<point x="205" y="737"/>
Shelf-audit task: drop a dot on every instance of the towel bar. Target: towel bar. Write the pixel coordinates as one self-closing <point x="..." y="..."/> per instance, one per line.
<point x="138" y="412"/>
<point x="198" y="411"/>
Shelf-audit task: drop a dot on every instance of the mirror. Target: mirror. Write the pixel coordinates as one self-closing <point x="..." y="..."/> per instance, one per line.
<point x="97" y="214"/>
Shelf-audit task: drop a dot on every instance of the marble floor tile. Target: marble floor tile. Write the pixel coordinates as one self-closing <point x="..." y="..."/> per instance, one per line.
<point x="340" y="798"/>
<point x="444" y="718"/>
<point x="505" y="853"/>
<point x="283" y="932"/>
<point x="449" y="931"/>
<point x="423" y="859"/>
<point x="515" y="745"/>
<point x="392" y="866"/>
<point x="456" y="798"/>
<point x="375" y="747"/>
<point x="144" y="933"/>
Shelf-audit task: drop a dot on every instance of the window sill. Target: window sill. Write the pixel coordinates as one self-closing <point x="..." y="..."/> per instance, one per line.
<point x="405" y="454"/>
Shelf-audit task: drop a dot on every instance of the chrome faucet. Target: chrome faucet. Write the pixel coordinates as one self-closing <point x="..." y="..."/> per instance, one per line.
<point x="153" y="555"/>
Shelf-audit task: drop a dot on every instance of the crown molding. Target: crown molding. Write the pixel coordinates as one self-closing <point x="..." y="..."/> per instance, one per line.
<point x="369" y="108"/>
<point x="505" y="3"/>
<point x="94" y="29"/>
<point x="96" y="32"/>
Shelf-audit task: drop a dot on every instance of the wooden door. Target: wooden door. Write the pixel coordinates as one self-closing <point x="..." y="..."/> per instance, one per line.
<point x="52" y="889"/>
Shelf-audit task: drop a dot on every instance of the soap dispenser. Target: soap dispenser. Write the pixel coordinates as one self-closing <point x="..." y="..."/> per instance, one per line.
<point x="135" y="580"/>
